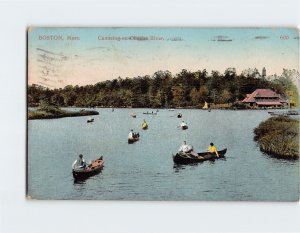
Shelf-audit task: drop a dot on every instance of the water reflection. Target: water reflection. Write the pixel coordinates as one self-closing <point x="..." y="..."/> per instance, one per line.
<point x="79" y="181"/>
<point x="178" y="167"/>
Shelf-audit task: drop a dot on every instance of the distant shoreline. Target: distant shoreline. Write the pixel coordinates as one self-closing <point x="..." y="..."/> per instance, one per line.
<point x="175" y="108"/>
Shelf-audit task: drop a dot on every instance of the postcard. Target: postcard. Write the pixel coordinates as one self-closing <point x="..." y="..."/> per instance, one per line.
<point x="163" y="114"/>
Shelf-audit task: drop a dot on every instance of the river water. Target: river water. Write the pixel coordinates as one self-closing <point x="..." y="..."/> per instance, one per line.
<point x="145" y="170"/>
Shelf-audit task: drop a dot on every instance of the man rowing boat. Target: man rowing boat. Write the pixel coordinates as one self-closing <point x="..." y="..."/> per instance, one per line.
<point x="187" y="149"/>
<point x="183" y="124"/>
<point x="131" y="135"/>
<point x="79" y="163"/>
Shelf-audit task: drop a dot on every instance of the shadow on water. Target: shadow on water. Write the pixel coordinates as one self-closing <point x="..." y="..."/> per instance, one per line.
<point x="80" y="181"/>
<point x="178" y="167"/>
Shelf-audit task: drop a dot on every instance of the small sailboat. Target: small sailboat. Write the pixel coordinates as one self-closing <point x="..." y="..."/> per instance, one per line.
<point x="144" y="125"/>
<point x="205" y="105"/>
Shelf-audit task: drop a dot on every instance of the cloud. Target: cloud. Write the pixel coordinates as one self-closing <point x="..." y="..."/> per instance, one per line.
<point x="99" y="48"/>
<point x="261" y="37"/>
<point x="49" y="52"/>
<point x="221" y="38"/>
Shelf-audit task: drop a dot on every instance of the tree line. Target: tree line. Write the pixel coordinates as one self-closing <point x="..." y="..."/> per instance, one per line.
<point x="164" y="90"/>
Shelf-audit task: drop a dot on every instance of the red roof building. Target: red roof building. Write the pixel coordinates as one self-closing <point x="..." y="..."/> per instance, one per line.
<point x="265" y="98"/>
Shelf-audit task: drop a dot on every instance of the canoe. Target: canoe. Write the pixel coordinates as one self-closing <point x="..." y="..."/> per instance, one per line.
<point x="293" y="113"/>
<point x="134" y="139"/>
<point x="184" y="127"/>
<point x="94" y="168"/>
<point x="150" y="113"/>
<point x="184" y="158"/>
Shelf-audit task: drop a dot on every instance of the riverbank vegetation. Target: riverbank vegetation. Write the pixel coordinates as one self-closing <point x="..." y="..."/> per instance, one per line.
<point x="164" y="90"/>
<point x="51" y="112"/>
<point x="279" y="136"/>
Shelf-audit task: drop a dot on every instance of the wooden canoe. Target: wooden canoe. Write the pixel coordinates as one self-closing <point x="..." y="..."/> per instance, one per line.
<point x="94" y="168"/>
<point x="186" y="158"/>
<point x="134" y="139"/>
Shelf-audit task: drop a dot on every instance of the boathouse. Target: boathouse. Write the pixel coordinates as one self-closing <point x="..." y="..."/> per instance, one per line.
<point x="265" y="98"/>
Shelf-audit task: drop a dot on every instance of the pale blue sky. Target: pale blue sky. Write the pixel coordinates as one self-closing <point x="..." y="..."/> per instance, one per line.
<point x="89" y="60"/>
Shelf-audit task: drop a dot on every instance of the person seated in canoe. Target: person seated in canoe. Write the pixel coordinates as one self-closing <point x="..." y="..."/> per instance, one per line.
<point x="184" y="148"/>
<point x="188" y="149"/>
<point x="212" y="149"/>
<point x="144" y="124"/>
<point x="131" y="135"/>
<point x="79" y="163"/>
<point x="183" y="124"/>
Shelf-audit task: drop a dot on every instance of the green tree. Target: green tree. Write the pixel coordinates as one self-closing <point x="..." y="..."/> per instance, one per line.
<point x="178" y="96"/>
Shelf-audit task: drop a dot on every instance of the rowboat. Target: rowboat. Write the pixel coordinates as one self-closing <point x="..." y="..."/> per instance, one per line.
<point x="288" y="113"/>
<point x="292" y="113"/>
<point x="135" y="138"/>
<point x="94" y="168"/>
<point x="187" y="158"/>
<point x="150" y="113"/>
<point x="90" y="120"/>
<point x="184" y="127"/>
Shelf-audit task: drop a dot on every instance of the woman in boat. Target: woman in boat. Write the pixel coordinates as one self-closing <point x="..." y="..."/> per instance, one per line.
<point x="213" y="150"/>
<point x="79" y="163"/>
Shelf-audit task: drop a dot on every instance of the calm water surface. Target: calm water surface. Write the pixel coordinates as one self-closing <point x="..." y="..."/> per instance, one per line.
<point x="145" y="170"/>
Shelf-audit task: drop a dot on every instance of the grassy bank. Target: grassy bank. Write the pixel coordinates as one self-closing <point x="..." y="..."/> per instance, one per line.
<point x="52" y="113"/>
<point x="279" y="137"/>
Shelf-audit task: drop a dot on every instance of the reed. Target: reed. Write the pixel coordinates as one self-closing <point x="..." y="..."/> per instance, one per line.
<point x="279" y="137"/>
<point x="53" y="112"/>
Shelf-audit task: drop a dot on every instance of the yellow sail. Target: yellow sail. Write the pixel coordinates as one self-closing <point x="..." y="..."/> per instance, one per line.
<point x="205" y="105"/>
